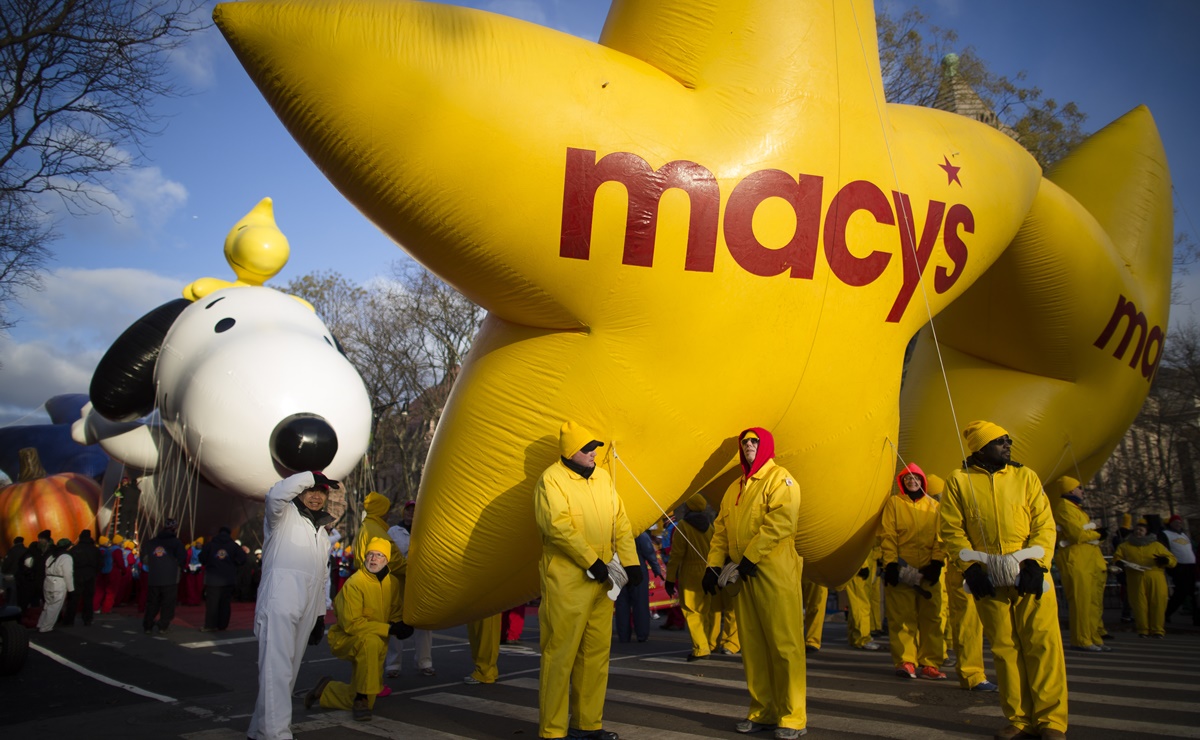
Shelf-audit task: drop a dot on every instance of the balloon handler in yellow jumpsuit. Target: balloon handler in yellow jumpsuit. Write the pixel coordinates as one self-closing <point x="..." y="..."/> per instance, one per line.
<point x="685" y="572"/>
<point x="368" y="610"/>
<point x="754" y="543"/>
<point x="1080" y="564"/>
<point x="995" y="511"/>
<point x="582" y="524"/>
<point x="1146" y="561"/>
<point x="912" y="548"/>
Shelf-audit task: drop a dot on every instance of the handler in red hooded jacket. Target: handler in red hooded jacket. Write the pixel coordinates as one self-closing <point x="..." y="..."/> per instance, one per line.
<point x="910" y="534"/>
<point x="756" y="529"/>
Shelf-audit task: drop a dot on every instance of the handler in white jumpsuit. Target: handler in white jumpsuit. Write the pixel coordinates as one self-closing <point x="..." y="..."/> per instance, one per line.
<point x="295" y="558"/>
<point x="60" y="581"/>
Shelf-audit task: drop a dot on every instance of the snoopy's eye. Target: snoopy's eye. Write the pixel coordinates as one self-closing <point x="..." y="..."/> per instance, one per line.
<point x="224" y="325"/>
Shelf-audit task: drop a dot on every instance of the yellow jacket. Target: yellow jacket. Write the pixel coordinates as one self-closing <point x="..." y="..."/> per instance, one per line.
<point x="910" y="531"/>
<point x="1071" y="521"/>
<point x="1143" y="554"/>
<point x="997" y="513"/>
<point x="377" y="506"/>
<point x="756" y="518"/>
<point x="581" y="519"/>
<point x="366" y="605"/>
<point x="683" y="557"/>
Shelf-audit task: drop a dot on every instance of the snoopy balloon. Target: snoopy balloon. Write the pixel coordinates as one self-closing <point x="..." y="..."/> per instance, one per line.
<point x="247" y="382"/>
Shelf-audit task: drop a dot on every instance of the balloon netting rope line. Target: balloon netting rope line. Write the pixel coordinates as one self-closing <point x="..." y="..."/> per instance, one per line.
<point x="621" y="460"/>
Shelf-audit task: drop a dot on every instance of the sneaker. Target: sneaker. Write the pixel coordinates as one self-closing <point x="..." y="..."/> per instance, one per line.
<point x="725" y="651"/>
<point x="385" y="691"/>
<point x="428" y="671"/>
<point x="1089" y="648"/>
<point x="1048" y="734"/>
<point x="1105" y="648"/>
<point x="592" y="735"/>
<point x="789" y="733"/>
<point x="906" y="670"/>
<point x="1158" y="637"/>
<point x="360" y="711"/>
<point x="1008" y="732"/>
<point x="949" y="661"/>
<point x="692" y="657"/>
<point x="985" y="686"/>
<point x="314" y="694"/>
<point x="393" y="673"/>
<point x="931" y="673"/>
<point x="748" y="726"/>
<point x="872" y="646"/>
<point x="471" y="681"/>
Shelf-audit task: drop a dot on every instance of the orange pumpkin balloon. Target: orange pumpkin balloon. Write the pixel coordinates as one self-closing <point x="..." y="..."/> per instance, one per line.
<point x="65" y="504"/>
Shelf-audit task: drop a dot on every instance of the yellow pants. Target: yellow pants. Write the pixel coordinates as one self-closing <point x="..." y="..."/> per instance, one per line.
<point x="858" y="621"/>
<point x="815" y="598"/>
<point x="1081" y="568"/>
<point x="768" y="610"/>
<point x="366" y="655"/>
<point x="484" y="637"/>
<point x="915" y="625"/>
<point x="1027" y="650"/>
<point x="966" y="632"/>
<point x="1147" y="592"/>
<point x="576" y="621"/>
<point x="703" y="624"/>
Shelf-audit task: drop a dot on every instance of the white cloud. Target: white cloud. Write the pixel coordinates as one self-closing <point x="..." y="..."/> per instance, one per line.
<point x="132" y="204"/>
<point x="194" y="62"/>
<point x="66" y="329"/>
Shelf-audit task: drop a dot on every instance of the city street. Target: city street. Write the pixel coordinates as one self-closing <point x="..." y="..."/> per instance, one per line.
<point x="111" y="680"/>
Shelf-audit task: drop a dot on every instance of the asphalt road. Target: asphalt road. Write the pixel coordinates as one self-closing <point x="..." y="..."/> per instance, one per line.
<point x="111" y="680"/>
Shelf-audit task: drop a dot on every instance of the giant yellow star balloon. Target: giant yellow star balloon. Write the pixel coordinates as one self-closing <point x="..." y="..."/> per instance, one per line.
<point x="1059" y="341"/>
<point x="709" y="220"/>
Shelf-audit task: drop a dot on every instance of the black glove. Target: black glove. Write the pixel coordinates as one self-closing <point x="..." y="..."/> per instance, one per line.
<point x="891" y="574"/>
<point x="319" y="479"/>
<point x="865" y="573"/>
<point x="317" y="631"/>
<point x="1103" y="532"/>
<point x="979" y="582"/>
<point x="669" y="587"/>
<point x="636" y="574"/>
<point x="599" y="571"/>
<point x="933" y="572"/>
<point x="1031" y="579"/>
<point x="1162" y="561"/>
<point x="709" y="584"/>
<point x="747" y="568"/>
<point x="400" y="630"/>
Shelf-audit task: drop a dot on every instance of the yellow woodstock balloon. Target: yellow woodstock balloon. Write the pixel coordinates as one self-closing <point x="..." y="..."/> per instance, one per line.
<point x="708" y="221"/>
<point x="1059" y="341"/>
<point x="254" y="247"/>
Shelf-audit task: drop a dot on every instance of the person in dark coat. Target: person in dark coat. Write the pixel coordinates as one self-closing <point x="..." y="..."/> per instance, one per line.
<point x="633" y="603"/>
<point x="11" y="569"/>
<point x="163" y="558"/>
<point x="221" y="558"/>
<point x="87" y="563"/>
<point x="33" y="569"/>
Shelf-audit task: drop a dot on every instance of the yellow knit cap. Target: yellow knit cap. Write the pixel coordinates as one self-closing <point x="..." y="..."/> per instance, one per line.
<point x="102" y="541"/>
<point x="1065" y="484"/>
<point x="117" y="539"/>
<point x="979" y="433"/>
<point x="697" y="503"/>
<point x="572" y="437"/>
<point x="381" y="545"/>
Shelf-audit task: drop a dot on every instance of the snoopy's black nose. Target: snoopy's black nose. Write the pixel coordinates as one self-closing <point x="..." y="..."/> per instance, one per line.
<point x="304" y="442"/>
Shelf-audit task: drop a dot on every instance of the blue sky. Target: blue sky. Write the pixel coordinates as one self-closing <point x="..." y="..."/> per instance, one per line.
<point x="223" y="150"/>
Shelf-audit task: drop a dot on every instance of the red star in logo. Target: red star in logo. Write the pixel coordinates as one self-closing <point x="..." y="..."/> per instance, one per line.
<point x="951" y="172"/>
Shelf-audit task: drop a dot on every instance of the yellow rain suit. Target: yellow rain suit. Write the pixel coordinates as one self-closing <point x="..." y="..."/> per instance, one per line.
<point x="366" y="606"/>
<point x="757" y="521"/>
<point x="580" y="520"/>
<point x="690" y="545"/>
<point x="910" y="533"/>
<point x="965" y="630"/>
<point x="375" y="525"/>
<point x="1082" y="569"/>
<point x="814" y="599"/>
<point x="1147" y="589"/>
<point x="859" y="592"/>
<point x="484" y="637"/>
<point x="1001" y="513"/>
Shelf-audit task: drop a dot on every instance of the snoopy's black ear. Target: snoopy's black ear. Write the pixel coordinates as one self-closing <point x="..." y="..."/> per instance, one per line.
<point x="123" y="383"/>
